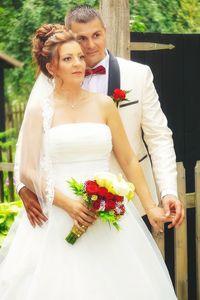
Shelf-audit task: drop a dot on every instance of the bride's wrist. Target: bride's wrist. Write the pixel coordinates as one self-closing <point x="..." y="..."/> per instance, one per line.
<point x="67" y="205"/>
<point x="150" y="207"/>
<point x="62" y="201"/>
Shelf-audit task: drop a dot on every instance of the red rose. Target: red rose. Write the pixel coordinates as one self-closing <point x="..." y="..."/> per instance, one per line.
<point x="91" y="187"/>
<point x="109" y="196"/>
<point x="118" y="198"/>
<point x="96" y="204"/>
<point x="119" y="95"/>
<point x="102" y="191"/>
<point x="109" y="205"/>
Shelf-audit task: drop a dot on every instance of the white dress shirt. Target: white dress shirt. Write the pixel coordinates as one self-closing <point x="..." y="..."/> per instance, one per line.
<point x="98" y="83"/>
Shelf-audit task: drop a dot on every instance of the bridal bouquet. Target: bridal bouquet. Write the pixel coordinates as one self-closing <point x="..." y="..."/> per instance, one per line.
<point x="105" y="195"/>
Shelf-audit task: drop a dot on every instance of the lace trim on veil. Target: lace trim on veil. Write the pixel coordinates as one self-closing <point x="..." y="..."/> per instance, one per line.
<point x="46" y="163"/>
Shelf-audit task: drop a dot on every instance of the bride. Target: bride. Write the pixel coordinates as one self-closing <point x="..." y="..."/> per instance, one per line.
<point x="71" y="133"/>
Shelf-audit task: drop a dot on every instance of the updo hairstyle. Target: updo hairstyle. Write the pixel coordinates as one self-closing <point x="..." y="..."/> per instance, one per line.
<point x="46" y="43"/>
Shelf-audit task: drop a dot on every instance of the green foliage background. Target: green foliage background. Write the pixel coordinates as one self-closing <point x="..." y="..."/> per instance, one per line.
<point x="8" y="212"/>
<point x="170" y="16"/>
<point x="18" y="21"/>
<point x="20" y="18"/>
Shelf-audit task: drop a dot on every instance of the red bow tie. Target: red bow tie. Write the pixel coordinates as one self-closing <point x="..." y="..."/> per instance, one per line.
<point x="97" y="70"/>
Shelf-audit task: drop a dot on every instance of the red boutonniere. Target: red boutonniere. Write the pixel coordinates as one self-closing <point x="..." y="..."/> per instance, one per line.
<point x="119" y="95"/>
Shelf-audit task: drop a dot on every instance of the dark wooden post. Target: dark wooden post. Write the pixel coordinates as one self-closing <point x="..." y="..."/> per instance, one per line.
<point x="10" y="176"/>
<point x="2" y="101"/>
<point x="1" y="180"/>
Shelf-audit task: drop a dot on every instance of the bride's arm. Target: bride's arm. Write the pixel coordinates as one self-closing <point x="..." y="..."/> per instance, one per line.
<point x="130" y="165"/>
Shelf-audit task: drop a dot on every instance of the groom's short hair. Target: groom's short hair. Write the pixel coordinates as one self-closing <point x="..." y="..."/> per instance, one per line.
<point x="82" y="14"/>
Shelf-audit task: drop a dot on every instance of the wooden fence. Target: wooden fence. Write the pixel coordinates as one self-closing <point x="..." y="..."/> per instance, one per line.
<point x="180" y="238"/>
<point x="189" y="200"/>
<point x="14" y="115"/>
<point x="6" y="175"/>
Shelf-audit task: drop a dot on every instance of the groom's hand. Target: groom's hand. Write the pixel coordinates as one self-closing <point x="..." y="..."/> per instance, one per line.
<point x="32" y="206"/>
<point x="174" y="208"/>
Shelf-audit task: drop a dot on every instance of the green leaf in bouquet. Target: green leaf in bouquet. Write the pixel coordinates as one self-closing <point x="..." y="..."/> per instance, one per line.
<point x="86" y="198"/>
<point x="110" y="217"/>
<point x="116" y="225"/>
<point x="77" y="188"/>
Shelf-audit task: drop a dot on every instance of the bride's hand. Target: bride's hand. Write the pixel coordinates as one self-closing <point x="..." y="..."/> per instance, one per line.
<point x="157" y="217"/>
<point x="82" y="216"/>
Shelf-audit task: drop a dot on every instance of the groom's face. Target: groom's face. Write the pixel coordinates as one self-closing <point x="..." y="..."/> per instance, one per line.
<point x="92" y="38"/>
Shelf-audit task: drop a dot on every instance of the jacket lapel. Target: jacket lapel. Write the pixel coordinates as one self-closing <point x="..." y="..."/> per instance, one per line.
<point x="114" y="75"/>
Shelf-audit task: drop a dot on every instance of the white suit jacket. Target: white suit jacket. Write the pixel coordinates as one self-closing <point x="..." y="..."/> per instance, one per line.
<point x="142" y="117"/>
<point x="144" y="120"/>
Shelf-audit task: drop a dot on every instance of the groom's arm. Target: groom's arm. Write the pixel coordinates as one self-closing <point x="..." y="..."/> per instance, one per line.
<point x="158" y="138"/>
<point x="32" y="206"/>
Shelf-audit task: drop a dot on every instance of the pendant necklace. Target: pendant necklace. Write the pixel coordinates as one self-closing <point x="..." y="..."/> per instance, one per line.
<point x="74" y="105"/>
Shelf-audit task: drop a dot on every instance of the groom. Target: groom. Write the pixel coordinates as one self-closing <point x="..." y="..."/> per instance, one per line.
<point x="142" y="116"/>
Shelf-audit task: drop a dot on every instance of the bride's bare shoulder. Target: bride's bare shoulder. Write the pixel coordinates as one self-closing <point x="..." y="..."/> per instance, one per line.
<point x="103" y="100"/>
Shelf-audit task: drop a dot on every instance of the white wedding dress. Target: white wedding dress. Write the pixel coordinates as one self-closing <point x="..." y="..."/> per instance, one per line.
<point x="104" y="264"/>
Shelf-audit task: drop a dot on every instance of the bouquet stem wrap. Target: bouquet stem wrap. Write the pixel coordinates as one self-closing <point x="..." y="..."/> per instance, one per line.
<point x="74" y="234"/>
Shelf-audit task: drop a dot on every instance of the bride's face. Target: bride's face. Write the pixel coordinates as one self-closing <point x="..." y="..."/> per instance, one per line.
<point x="70" y="66"/>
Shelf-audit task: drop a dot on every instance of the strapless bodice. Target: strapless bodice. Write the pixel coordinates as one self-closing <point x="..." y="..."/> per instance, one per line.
<point x="79" y="150"/>
<point x="76" y="142"/>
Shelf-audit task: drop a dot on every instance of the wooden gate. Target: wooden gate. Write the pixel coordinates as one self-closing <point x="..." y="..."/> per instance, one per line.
<point x="182" y="237"/>
<point x="175" y="62"/>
